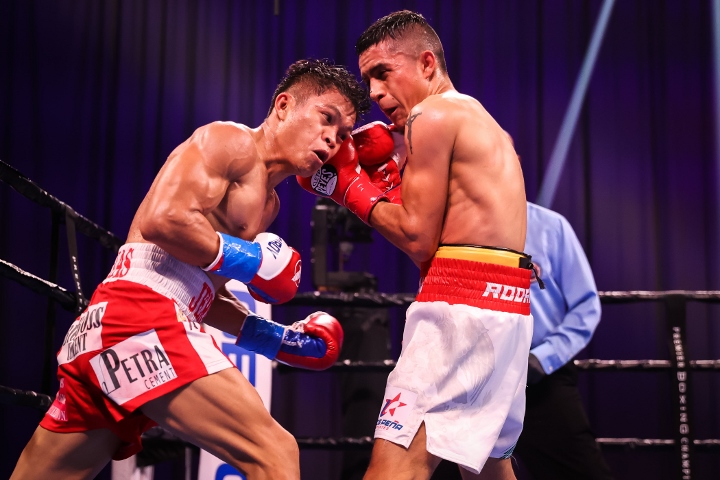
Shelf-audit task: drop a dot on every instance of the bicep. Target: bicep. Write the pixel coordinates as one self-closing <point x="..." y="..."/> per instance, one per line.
<point x="425" y="181"/>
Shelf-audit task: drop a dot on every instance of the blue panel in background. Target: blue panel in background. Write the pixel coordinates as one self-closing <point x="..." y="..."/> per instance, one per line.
<point x="244" y="359"/>
<point x="225" y="471"/>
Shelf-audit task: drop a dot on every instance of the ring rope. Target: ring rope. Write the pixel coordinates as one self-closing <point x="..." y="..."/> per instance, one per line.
<point x="345" y="443"/>
<point x="587" y="364"/>
<point x="384" y="300"/>
<point x="157" y="439"/>
<point x="365" y="300"/>
<point x="66" y="299"/>
<point x="25" y="398"/>
<point x="32" y="191"/>
<point x="72" y="301"/>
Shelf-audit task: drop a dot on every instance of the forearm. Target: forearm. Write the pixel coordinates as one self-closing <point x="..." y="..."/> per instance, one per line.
<point x="403" y="230"/>
<point x="576" y="300"/>
<point x="568" y="339"/>
<point x="187" y="236"/>
<point x="313" y="343"/>
<point x="226" y="313"/>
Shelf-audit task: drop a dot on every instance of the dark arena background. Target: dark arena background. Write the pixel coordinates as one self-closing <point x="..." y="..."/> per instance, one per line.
<point x="94" y="95"/>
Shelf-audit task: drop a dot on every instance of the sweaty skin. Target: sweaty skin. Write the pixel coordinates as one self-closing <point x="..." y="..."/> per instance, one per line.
<point x="463" y="183"/>
<point x="223" y="177"/>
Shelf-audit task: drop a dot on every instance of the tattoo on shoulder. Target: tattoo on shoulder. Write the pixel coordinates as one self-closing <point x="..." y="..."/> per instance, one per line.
<point x="410" y="121"/>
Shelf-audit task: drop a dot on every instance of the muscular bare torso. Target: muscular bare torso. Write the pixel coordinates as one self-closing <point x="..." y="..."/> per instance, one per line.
<point x="214" y="181"/>
<point x="486" y="197"/>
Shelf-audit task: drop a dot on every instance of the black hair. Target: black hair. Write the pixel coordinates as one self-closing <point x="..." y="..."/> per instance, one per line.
<point x="395" y="26"/>
<point x="321" y="76"/>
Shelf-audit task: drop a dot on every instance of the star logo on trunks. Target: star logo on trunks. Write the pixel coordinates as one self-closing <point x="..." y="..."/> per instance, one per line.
<point x="389" y="402"/>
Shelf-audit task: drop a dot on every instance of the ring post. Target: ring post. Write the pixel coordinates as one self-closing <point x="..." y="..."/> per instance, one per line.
<point x="675" y="306"/>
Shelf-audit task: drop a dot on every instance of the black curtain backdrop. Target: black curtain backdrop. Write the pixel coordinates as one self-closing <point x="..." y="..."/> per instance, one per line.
<point x="95" y="94"/>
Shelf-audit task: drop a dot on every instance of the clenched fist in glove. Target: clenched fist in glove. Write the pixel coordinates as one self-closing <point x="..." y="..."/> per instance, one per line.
<point x="342" y="180"/>
<point x="382" y="155"/>
<point x="313" y="343"/>
<point x="270" y="268"/>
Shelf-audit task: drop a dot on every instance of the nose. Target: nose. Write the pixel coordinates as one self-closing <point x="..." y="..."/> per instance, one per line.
<point x="331" y="138"/>
<point x="376" y="91"/>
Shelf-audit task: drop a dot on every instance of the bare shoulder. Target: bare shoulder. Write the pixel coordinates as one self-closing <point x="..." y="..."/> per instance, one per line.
<point x="471" y="118"/>
<point x="439" y="116"/>
<point x="227" y="146"/>
<point x="449" y="106"/>
<point x="232" y="136"/>
<point x="445" y="112"/>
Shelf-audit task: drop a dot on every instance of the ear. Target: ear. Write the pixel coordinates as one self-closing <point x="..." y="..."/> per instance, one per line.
<point x="428" y="63"/>
<point x="283" y="103"/>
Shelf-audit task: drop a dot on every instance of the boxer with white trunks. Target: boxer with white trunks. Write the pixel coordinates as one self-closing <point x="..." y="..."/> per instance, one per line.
<point x="138" y="355"/>
<point x="458" y="389"/>
<point x="472" y="314"/>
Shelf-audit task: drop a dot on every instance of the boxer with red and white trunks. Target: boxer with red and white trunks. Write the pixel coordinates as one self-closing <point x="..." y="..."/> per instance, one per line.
<point x="464" y="359"/>
<point x="112" y="363"/>
<point x="139" y="338"/>
<point x="138" y="355"/>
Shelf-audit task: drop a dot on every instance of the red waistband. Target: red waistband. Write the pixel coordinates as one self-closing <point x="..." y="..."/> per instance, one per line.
<point x="478" y="284"/>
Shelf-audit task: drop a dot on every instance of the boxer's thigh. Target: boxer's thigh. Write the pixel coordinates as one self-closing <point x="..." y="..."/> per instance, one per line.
<point x="52" y="455"/>
<point x="223" y="414"/>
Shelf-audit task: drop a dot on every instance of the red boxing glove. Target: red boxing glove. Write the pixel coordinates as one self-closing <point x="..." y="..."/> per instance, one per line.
<point x="382" y="155"/>
<point x="374" y="142"/>
<point x="303" y="341"/>
<point x="278" y="278"/>
<point x="342" y="180"/>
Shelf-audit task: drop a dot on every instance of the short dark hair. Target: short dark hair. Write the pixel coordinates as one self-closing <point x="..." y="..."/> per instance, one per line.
<point x="321" y="76"/>
<point x="395" y="26"/>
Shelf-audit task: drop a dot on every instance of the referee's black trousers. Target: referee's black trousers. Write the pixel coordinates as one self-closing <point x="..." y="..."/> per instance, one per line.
<point x="556" y="442"/>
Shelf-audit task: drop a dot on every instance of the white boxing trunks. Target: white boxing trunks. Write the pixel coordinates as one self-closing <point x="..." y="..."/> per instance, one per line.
<point x="140" y="338"/>
<point x="463" y="365"/>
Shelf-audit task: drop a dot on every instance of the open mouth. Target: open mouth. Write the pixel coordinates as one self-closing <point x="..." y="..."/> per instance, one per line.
<point x="322" y="155"/>
<point x="390" y="111"/>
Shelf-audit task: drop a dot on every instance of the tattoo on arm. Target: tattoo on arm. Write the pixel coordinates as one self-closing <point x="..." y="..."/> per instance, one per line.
<point x="409" y="126"/>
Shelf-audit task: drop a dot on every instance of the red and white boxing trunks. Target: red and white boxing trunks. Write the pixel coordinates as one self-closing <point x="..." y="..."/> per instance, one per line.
<point x="463" y="365"/>
<point x="139" y="339"/>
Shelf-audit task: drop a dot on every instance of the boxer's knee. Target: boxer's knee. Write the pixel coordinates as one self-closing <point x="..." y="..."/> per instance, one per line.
<point x="287" y="448"/>
<point x="278" y="457"/>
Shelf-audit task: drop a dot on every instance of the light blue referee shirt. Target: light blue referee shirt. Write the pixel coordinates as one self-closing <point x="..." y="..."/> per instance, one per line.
<point x="568" y="310"/>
